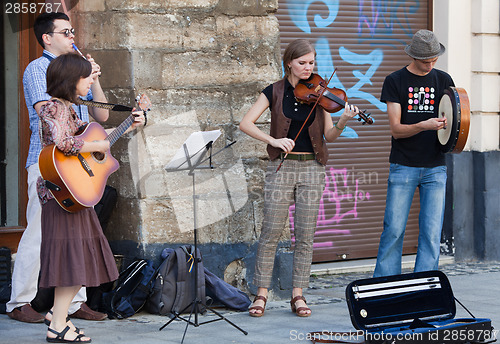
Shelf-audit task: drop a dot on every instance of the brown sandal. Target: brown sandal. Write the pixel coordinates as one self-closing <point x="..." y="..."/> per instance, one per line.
<point x="299" y="311"/>
<point x="258" y="308"/>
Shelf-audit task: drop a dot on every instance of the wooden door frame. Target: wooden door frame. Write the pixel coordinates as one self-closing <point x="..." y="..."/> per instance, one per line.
<point x="28" y="49"/>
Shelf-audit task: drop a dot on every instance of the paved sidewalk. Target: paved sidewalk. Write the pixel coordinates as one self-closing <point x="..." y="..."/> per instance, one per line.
<point x="476" y="285"/>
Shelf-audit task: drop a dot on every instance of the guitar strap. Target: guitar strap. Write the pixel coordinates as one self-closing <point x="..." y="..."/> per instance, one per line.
<point x="107" y="106"/>
<point x="110" y="106"/>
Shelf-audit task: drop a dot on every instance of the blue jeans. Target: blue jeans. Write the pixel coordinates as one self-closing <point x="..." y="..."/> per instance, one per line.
<point x="403" y="181"/>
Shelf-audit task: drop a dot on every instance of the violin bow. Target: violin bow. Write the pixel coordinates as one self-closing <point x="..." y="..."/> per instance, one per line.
<point x="307" y="118"/>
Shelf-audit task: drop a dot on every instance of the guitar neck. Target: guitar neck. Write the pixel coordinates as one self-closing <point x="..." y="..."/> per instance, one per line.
<point x="118" y="132"/>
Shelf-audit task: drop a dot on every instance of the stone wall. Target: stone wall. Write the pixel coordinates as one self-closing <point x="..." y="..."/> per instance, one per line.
<point x="202" y="63"/>
<point x="472" y="32"/>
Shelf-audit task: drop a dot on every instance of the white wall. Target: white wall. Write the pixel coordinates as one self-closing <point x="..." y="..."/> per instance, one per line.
<point x="470" y="30"/>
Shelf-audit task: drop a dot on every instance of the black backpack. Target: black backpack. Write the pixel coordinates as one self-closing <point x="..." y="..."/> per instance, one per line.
<point x="131" y="291"/>
<point x="173" y="290"/>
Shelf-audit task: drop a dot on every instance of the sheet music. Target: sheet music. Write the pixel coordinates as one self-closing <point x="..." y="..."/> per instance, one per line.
<point x="196" y="145"/>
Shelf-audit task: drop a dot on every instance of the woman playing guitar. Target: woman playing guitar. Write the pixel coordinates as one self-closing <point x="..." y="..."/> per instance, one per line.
<point x="74" y="250"/>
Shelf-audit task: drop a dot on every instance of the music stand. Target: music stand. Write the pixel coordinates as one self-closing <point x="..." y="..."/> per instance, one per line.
<point x="190" y="157"/>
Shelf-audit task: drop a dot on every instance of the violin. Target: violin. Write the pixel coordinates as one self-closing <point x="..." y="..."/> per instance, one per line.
<point x="315" y="91"/>
<point x="331" y="99"/>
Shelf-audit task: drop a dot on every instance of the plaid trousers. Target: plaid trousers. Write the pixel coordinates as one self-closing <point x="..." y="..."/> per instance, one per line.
<point x="302" y="182"/>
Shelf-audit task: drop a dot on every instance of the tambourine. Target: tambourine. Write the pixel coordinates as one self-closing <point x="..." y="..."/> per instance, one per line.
<point x="454" y="106"/>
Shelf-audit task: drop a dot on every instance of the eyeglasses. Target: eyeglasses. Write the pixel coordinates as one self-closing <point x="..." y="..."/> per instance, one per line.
<point x="65" y="32"/>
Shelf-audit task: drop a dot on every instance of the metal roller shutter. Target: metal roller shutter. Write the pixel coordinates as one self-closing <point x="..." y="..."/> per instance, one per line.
<point x="364" y="40"/>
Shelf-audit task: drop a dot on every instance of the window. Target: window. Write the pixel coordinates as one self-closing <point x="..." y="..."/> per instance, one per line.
<point x="18" y="46"/>
<point x="9" y="148"/>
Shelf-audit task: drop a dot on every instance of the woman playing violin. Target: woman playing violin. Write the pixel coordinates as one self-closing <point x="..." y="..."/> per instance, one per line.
<point x="301" y="178"/>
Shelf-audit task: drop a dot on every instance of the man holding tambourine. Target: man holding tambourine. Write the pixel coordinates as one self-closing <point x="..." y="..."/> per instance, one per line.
<point x="417" y="157"/>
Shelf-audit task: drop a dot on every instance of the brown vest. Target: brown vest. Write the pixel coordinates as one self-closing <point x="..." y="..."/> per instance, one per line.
<point x="280" y="125"/>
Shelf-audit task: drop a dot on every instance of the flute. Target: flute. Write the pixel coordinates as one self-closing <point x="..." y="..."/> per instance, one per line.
<point x="78" y="51"/>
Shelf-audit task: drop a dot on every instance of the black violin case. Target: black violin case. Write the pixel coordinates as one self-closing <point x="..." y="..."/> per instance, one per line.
<point x="412" y="308"/>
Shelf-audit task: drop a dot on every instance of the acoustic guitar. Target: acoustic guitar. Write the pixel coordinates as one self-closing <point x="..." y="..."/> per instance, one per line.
<point x="78" y="182"/>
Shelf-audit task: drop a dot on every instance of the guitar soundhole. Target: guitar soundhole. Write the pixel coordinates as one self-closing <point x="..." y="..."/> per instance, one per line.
<point x="99" y="156"/>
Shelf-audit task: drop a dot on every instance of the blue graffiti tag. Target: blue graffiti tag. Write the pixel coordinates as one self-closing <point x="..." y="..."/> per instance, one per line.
<point x="380" y="18"/>
<point x="373" y="59"/>
<point x="298" y="13"/>
<point x="326" y="67"/>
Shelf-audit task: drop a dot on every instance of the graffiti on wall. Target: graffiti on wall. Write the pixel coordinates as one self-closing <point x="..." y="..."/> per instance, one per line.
<point x="343" y="190"/>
